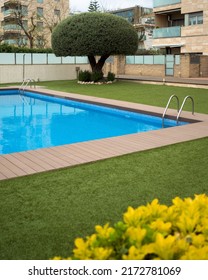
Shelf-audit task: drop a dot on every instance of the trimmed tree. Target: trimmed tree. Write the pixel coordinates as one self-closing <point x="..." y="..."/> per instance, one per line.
<point x="94" y="34"/>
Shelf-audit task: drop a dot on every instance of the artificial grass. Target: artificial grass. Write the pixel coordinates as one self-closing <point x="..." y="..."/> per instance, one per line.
<point x="156" y="95"/>
<point x="40" y="215"/>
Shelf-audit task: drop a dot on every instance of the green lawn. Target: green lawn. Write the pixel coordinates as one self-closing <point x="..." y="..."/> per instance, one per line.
<point x="155" y="95"/>
<point x="41" y="215"/>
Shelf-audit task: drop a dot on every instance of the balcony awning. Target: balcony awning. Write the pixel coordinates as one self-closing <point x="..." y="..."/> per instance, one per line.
<point x="168" y="45"/>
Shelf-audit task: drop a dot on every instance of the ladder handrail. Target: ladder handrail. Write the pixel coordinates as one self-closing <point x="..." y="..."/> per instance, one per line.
<point x="32" y="80"/>
<point x="184" y="101"/>
<point x="166" y="108"/>
<point x="25" y="84"/>
<point x="22" y="85"/>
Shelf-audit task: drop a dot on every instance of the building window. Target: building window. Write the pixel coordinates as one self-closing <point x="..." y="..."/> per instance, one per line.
<point x="195" y="18"/>
<point x="40" y="26"/>
<point x="57" y="12"/>
<point x="40" y="12"/>
<point x="24" y="10"/>
<point x="25" y="24"/>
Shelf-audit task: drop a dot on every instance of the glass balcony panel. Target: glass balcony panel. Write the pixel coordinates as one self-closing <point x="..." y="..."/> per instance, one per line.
<point x="161" y="3"/>
<point x="167" y="32"/>
<point x="9" y="12"/>
<point x="130" y="59"/>
<point x="177" y="59"/>
<point x="11" y="27"/>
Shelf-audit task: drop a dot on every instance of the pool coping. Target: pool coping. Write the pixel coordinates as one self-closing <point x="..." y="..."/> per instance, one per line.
<point x="47" y="159"/>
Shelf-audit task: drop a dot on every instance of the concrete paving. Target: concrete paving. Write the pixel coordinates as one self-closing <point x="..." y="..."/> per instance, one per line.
<point x="168" y="80"/>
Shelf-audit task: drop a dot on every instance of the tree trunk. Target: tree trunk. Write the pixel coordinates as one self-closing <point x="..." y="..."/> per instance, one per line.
<point x="97" y="66"/>
<point x="31" y="42"/>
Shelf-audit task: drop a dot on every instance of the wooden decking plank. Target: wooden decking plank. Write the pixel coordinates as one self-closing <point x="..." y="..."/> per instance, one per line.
<point x="14" y="160"/>
<point x="2" y="176"/>
<point x="61" y="153"/>
<point x="45" y="158"/>
<point x="49" y="153"/>
<point x="79" y="153"/>
<point x="14" y="167"/>
<point x="6" y="171"/>
<point x="28" y="161"/>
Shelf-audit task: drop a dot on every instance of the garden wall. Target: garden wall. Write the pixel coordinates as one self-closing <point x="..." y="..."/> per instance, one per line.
<point x="16" y="73"/>
<point x="15" y="67"/>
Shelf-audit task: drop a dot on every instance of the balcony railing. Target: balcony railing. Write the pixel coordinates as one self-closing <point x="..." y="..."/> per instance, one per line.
<point x="11" y="2"/>
<point x="167" y="32"/>
<point x="10" y="12"/>
<point x="13" y="27"/>
<point x="161" y="3"/>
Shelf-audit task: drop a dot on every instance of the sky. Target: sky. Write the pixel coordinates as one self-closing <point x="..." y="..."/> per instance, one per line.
<point x="82" y="5"/>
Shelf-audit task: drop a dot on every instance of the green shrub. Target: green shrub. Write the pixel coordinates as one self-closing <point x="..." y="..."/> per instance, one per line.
<point x="152" y="232"/>
<point x="6" y="48"/>
<point x="96" y="76"/>
<point x="110" y="77"/>
<point x="84" y="76"/>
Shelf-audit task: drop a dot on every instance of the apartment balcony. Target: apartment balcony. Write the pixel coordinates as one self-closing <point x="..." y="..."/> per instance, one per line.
<point x="11" y="2"/>
<point x="167" y="32"/>
<point x="9" y="12"/>
<point x="162" y="3"/>
<point x="11" y="28"/>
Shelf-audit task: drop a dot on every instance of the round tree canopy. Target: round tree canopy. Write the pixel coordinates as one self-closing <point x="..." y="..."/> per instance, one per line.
<point x="91" y="34"/>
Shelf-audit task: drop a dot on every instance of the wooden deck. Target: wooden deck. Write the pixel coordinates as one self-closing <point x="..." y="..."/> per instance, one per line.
<point x="31" y="162"/>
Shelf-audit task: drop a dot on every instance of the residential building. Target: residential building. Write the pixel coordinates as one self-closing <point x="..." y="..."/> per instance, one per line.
<point x="143" y="20"/>
<point x="181" y="26"/>
<point x="30" y="22"/>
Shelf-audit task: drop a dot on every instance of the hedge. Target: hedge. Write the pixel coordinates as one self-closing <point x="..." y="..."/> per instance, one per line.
<point x="6" y="48"/>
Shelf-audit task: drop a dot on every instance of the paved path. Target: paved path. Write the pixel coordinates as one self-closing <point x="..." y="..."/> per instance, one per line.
<point x="31" y="162"/>
<point x="190" y="82"/>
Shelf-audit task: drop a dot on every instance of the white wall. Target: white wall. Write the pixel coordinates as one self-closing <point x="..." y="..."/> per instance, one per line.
<point x="14" y="73"/>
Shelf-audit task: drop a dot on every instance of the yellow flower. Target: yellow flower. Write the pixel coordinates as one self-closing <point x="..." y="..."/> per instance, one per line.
<point x="197" y="240"/>
<point x="203" y="225"/>
<point x="164" y="247"/>
<point x="156" y="210"/>
<point x="141" y="253"/>
<point x="136" y="235"/>
<point x="187" y="223"/>
<point x="101" y="253"/>
<point x="82" y="251"/>
<point x="133" y="217"/>
<point x="134" y="254"/>
<point x="194" y="253"/>
<point x="161" y="226"/>
<point x="104" y="232"/>
<point x="57" y="258"/>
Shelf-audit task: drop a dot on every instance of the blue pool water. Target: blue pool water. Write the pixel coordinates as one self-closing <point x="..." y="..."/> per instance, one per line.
<point x="35" y="121"/>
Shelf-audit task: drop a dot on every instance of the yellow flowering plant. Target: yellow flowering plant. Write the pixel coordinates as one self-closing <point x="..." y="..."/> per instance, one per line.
<point x="152" y="232"/>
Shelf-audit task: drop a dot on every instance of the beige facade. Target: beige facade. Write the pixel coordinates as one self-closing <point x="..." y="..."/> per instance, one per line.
<point x="30" y="22"/>
<point x="181" y="26"/>
<point x="186" y="67"/>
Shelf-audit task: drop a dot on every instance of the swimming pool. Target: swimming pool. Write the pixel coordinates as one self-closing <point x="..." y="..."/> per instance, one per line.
<point x="32" y="121"/>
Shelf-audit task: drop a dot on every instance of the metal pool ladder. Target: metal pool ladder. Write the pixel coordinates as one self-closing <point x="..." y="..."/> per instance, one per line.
<point x="179" y="110"/>
<point x="25" y="83"/>
<point x="184" y="101"/>
<point x="166" y="108"/>
<point x="22" y="88"/>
